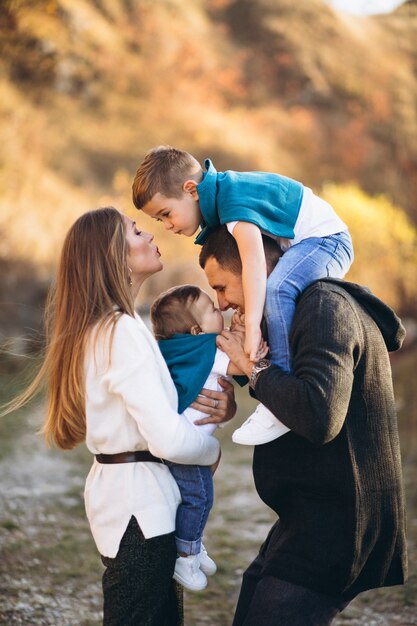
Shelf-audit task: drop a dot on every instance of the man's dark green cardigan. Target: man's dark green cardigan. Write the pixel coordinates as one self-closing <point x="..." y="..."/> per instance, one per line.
<point x="335" y="479"/>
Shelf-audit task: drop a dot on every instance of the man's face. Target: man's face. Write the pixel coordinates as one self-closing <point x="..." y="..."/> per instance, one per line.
<point x="226" y="284"/>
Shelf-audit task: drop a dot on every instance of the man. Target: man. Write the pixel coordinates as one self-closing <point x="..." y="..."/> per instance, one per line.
<point x="335" y="479"/>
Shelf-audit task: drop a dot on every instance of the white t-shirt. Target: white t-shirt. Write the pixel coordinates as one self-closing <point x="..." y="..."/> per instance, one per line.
<point x="316" y="218"/>
<point x="220" y="365"/>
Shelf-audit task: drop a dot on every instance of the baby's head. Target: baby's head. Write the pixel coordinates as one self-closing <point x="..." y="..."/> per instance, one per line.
<point x="185" y="309"/>
<point x="165" y="188"/>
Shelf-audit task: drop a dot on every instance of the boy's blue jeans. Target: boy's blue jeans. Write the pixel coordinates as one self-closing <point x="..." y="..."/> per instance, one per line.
<point x="299" y="266"/>
<point x="195" y="483"/>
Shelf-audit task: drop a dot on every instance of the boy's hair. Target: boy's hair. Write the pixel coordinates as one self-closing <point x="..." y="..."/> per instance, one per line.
<point x="222" y="246"/>
<point x="164" y="170"/>
<point x="171" y="314"/>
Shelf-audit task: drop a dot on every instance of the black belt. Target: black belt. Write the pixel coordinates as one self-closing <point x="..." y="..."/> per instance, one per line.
<point x="129" y="457"/>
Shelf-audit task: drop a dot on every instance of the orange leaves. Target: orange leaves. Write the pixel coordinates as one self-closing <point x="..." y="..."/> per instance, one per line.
<point x="385" y="243"/>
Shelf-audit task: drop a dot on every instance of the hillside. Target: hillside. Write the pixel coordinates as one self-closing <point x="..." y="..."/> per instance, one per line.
<point x="87" y="86"/>
<point x="347" y="85"/>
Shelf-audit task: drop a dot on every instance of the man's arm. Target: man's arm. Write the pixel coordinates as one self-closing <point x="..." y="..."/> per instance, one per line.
<point x="314" y="399"/>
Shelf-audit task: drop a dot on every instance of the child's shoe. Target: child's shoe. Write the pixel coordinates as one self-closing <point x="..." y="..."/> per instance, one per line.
<point x="260" y="427"/>
<point x="207" y="565"/>
<point x="188" y="573"/>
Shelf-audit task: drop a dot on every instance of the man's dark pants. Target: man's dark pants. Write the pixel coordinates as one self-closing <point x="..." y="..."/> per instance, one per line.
<point x="269" y="601"/>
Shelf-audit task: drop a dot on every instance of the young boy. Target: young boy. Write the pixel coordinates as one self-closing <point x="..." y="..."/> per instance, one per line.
<point x="186" y="324"/>
<point x="171" y="187"/>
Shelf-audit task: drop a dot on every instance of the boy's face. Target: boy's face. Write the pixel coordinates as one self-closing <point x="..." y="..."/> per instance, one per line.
<point x="209" y="318"/>
<point x="179" y="215"/>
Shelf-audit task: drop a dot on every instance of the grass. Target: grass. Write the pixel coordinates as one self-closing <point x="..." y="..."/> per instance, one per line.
<point x="14" y="372"/>
<point x="50" y="571"/>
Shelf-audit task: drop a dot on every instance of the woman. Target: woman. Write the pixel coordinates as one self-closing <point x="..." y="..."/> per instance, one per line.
<point x="109" y="385"/>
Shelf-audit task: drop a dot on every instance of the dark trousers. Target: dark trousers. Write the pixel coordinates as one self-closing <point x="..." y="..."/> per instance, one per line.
<point x="138" y="588"/>
<point x="269" y="601"/>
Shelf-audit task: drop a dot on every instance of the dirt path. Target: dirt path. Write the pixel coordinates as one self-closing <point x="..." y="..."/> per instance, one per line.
<point x="50" y="571"/>
<point x="42" y="533"/>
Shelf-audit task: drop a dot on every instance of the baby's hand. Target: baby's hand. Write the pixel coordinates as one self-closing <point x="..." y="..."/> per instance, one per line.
<point x="253" y="343"/>
<point x="237" y="323"/>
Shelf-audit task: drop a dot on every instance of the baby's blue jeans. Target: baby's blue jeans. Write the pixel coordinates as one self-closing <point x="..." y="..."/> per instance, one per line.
<point x="302" y="264"/>
<point x="195" y="483"/>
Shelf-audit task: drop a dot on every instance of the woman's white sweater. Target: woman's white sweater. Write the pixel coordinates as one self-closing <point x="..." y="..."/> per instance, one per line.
<point x="131" y="404"/>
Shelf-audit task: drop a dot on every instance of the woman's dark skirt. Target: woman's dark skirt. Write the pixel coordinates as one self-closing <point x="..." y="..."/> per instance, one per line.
<point x="138" y="587"/>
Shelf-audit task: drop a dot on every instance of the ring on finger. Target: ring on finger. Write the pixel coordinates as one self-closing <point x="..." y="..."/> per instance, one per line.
<point x="216" y="403"/>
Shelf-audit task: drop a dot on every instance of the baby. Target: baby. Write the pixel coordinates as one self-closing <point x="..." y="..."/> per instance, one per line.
<point x="186" y="323"/>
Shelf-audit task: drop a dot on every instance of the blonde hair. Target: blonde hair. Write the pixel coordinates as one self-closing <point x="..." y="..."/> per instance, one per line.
<point x="171" y="312"/>
<point x="91" y="287"/>
<point x="164" y="170"/>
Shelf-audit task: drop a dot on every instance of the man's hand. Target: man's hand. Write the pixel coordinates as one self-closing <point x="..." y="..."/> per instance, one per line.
<point x="220" y="406"/>
<point x="233" y="345"/>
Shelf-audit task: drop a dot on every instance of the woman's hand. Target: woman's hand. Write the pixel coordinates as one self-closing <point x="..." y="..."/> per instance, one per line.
<point x="220" y="406"/>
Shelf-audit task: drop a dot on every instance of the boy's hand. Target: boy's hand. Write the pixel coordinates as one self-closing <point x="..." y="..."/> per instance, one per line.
<point x="263" y="350"/>
<point x="253" y="343"/>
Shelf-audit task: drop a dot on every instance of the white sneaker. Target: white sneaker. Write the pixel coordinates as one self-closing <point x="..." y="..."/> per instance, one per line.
<point x="260" y="427"/>
<point x="188" y="573"/>
<point x="207" y="565"/>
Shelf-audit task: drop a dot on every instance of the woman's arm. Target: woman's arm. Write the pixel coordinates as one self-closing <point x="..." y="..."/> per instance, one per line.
<point x="135" y="376"/>
<point x="249" y="241"/>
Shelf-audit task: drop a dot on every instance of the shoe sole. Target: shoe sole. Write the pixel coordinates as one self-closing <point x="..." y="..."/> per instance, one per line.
<point x="256" y="442"/>
<point x="187" y="585"/>
<point x="259" y="440"/>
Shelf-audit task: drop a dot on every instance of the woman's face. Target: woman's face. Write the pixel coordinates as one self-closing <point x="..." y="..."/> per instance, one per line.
<point x="143" y="257"/>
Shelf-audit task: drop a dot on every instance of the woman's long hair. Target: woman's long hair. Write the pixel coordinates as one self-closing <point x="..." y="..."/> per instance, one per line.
<point x="91" y="287"/>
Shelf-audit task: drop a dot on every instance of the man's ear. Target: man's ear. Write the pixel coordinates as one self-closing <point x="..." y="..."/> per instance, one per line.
<point x="190" y="186"/>
<point x="196" y="330"/>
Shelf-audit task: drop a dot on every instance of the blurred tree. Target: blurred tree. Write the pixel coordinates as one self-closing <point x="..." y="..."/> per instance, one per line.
<point x="385" y="243"/>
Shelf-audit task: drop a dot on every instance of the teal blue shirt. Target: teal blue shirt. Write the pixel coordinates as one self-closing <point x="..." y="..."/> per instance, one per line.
<point x="190" y="359"/>
<point x="270" y="201"/>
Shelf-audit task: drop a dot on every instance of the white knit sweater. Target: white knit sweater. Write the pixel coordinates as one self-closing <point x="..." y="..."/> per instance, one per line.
<point x="131" y="405"/>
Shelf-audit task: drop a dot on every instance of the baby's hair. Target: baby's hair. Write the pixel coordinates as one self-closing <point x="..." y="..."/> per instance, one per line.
<point x="171" y="312"/>
<point x="164" y="170"/>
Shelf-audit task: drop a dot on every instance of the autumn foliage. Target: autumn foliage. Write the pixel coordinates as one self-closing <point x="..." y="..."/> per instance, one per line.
<point x="87" y="86"/>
